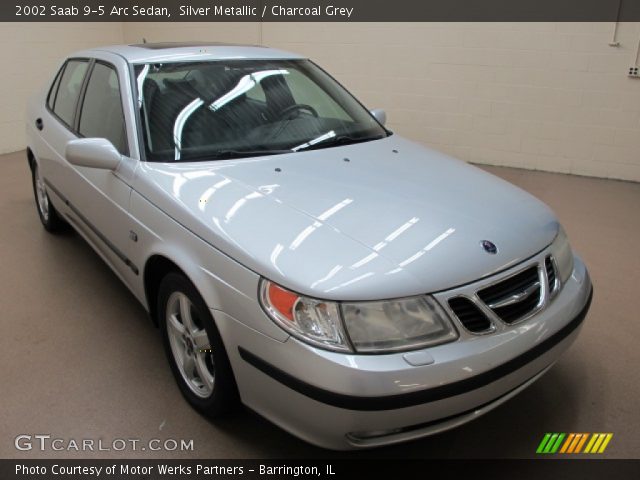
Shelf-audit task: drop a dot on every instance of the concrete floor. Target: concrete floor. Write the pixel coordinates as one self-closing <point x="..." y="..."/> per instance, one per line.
<point x="80" y="359"/>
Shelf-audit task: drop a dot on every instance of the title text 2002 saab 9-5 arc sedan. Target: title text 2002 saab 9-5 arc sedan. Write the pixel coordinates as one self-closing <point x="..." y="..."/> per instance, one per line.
<point x="353" y="287"/>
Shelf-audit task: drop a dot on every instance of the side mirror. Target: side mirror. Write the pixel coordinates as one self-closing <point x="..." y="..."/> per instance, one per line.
<point x="93" y="152"/>
<point x="379" y="115"/>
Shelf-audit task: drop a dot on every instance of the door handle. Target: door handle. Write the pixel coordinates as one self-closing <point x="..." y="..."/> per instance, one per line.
<point x="39" y="124"/>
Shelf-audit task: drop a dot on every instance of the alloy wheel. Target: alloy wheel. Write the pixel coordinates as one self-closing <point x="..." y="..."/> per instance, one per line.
<point x="190" y="345"/>
<point x="41" y="195"/>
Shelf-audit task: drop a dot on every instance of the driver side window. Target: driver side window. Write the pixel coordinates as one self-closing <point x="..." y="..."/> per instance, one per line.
<point x="102" y="115"/>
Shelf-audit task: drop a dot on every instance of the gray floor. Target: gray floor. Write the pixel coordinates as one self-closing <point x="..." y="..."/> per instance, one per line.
<point x="80" y="359"/>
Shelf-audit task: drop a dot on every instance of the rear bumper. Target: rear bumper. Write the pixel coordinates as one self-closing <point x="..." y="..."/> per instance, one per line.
<point x="343" y="401"/>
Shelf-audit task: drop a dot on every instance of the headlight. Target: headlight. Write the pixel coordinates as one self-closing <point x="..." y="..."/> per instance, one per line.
<point x="561" y="251"/>
<point x="382" y="326"/>
<point x="397" y="324"/>
<point x="314" y="321"/>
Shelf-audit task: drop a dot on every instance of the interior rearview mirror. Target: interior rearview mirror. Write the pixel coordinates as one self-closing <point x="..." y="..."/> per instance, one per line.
<point x="379" y="115"/>
<point x="93" y="152"/>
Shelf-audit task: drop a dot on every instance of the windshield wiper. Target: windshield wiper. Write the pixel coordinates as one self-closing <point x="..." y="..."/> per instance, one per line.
<point x="337" y="140"/>
<point x="228" y="154"/>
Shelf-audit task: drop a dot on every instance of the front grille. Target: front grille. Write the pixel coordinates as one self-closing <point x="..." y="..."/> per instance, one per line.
<point x="487" y="305"/>
<point x="551" y="273"/>
<point x="515" y="297"/>
<point x="516" y="311"/>
<point x="469" y="315"/>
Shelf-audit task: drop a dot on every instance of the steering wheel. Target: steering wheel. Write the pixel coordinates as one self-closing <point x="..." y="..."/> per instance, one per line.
<point x="296" y="107"/>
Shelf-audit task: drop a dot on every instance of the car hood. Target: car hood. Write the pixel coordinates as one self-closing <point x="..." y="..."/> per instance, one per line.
<point x="380" y="219"/>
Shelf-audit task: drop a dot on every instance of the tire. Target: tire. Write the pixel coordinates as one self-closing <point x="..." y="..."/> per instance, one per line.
<point x="194" y="348"/>
<point x="49" y="217"/>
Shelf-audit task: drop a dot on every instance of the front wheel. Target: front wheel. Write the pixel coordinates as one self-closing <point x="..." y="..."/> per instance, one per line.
<point x="194" y="348"/>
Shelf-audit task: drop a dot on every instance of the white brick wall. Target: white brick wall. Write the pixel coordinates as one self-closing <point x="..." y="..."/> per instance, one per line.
<point x="549" y="96"/>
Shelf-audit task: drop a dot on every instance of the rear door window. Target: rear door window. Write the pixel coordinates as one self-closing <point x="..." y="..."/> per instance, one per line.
<point x="54" y="88"/>
<point x="66" y="96"/>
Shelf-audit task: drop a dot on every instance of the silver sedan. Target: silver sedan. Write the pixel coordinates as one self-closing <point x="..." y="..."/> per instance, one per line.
<point x="353" y="287"/>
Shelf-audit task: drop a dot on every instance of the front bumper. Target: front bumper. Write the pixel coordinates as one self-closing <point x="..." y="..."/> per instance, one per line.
<point x="346" y="401"/>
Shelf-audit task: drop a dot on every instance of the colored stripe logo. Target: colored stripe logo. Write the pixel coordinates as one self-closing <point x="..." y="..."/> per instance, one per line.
<point x="574" y="443"/>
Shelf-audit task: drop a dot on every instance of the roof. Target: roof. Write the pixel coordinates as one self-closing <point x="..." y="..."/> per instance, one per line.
<point x="190" y="51"/>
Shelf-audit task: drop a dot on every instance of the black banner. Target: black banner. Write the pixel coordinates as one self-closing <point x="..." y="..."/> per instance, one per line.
<point x="329" y="469"/>
<point x="320" y="10"/>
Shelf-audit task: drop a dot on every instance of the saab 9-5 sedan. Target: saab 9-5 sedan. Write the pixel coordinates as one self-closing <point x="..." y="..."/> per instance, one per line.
<point x="353" y="287"/>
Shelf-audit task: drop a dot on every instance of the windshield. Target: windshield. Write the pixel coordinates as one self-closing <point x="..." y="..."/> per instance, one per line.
<point x="233" y="108"/>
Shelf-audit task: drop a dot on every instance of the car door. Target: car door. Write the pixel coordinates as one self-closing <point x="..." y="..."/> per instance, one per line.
<point x="98" y="199"/>
<point x="53" y="126"/>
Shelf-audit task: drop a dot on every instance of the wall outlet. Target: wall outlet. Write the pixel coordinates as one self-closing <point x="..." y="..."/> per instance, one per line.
<point x="634" y="71"/>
